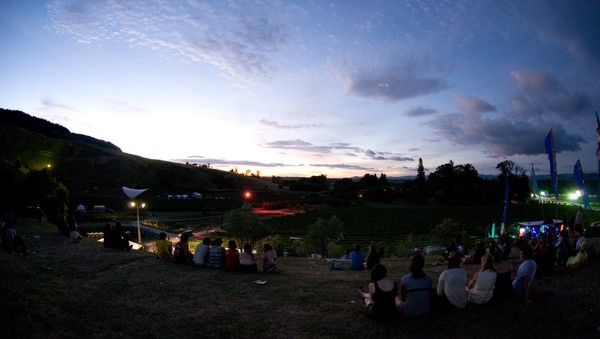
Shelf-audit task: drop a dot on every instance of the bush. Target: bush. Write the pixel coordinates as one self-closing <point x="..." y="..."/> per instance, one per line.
<point x="335" y="251"/>
<point x="448" y="231"/>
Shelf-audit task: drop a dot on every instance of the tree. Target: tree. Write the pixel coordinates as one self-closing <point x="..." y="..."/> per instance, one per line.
<point x="243" y="224"/>
<point x="322" y="232"/>
<point x="421" y="175"/>
<point x="43" y="189"/>
<point x="446" y="232"/>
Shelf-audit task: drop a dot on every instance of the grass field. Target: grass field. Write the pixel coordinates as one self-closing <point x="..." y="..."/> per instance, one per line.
<point x="82" y="290"/>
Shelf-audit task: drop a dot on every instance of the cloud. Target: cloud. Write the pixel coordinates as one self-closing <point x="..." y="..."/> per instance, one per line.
<point x="473" y="105"/>
<point x="399" y="78"/>
<point x="521" y="131"/>
<point x="238" y="39"/>
<point x="276" y="124"/>
<point x="48" y="103"/>
<point x="573" y="24"/>
<point x="541" y="93"/>
<point x="419" y="111"/>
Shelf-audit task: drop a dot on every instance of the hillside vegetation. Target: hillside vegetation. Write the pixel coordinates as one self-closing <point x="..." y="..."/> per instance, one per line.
<point x="94" y="168"/>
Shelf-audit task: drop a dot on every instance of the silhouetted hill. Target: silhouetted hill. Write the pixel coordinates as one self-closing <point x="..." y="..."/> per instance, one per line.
<point x="85" y="164"/>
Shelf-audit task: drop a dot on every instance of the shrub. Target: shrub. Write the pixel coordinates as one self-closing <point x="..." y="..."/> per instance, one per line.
<point x="444" y="233"/>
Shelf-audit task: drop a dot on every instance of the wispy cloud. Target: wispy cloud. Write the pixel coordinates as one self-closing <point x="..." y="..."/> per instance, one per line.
<point x="473" y="105"/>
<point x="278" y="125"/>
<point x="419" y="111"/>
<point x="238" y="39"/>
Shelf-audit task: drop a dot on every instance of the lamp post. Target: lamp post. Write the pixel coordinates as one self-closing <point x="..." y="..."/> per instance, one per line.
<point x="132" y="194"/>
<point x="137" y="210"/>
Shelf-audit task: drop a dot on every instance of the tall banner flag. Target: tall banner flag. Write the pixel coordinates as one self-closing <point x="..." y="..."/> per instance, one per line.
<point x="533" y="186"/>
<point x="598" y="147"/>
<point x="506" y="201"/>
<point x="550" y="150"/>
<point x="580" y="181"/>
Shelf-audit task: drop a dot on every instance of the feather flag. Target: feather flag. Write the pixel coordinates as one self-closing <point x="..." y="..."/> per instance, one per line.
<point x="580" y="181"/>
<point x="533" y="185"/>
<point x="598" y="146"/>
<point x="506" y="198"/>
<point x="550" y="150"/>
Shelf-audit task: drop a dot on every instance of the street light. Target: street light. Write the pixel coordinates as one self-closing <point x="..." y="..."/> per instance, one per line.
<point x="132" y="194"/>
<point x="137" y="209"/>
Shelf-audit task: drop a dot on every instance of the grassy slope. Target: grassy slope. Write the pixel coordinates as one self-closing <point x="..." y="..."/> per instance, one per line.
<point x="83" y="290"/>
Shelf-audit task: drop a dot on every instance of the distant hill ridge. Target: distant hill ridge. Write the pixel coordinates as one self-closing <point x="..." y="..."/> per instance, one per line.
<point x="47" y="128"/>
<point x="86" y="164"/>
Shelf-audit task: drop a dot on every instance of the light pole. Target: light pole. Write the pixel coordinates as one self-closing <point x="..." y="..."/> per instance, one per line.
<point x="132" y="194"/>
<point x="137" y="210"/>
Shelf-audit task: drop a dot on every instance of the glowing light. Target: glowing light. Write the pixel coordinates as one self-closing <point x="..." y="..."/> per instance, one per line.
<point x="48" y="166"/>
<point x="247" y="195"/>
<point x="543" y="194"/>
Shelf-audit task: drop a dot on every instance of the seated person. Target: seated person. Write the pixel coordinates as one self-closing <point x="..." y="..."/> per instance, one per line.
<point x="451" y="285"/>
<point x="481" y="286"/>
<point x="269" y="259"/>
<point x="503" y="286"/>
<point x="380" y="300"/>
<point x="216" y="254"/>
<point x="525" y="273"/>
<point x="357" y="258"/>
<point x="415" y="290"/>
<point x="374" y="257"/>
<point x="181" y="253"/>
<point x="201" y="253"/>
<point x="247" y="262"/>
<point x="232" y="257"/>
<point x="579" y="259"/>
<point x="163" y="247"/>
<point x="11" y="240"/>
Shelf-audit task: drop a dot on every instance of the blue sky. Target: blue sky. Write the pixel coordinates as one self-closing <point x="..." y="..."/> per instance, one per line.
<point x="302" y="88"/>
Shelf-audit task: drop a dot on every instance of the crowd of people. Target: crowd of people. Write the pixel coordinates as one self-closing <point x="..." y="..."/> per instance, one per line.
<point x="416" y="295"/>
<point x="116" y="237"/>
<point x="211" y="253"/>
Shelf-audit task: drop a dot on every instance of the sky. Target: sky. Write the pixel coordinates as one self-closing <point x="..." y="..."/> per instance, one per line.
<point x="302" y="88"/>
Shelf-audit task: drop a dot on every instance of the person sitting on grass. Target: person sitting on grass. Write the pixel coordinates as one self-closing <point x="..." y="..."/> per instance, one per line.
<point x="381" y="298"/>
<point x="269" y="259"/>
<point x="415" y="290"/>
<point x="163" y="247"/>
<point x="181" y="252"/>
<point x="521" y="286"/>
<point x="451" y="285"/>
<point x="357" y="259"/>
<point x="216" y="254"/>
<point x="247" y="262"/>
<point x="481" y="286"/>
<point x="579" y="259"/>
<point x="503" y="286"/>
<point x="232" y="257"/>
<point x="201" y="253"/>
<point x="374" y="258"/>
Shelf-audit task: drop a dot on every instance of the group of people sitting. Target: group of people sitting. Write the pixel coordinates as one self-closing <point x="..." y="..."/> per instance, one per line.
<point x="416" y="296"/>
<point x="10" y="240"/>
<point x="116" y="237"/>
<point x="211" y="253"/>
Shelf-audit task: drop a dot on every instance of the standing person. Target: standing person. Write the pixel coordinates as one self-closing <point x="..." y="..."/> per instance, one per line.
<point x="181" y="252"/>
<point x="451" y="285"/>
<point x="525" y="274"/>
<point x="216" y="254"/>
<point x="107" y="236"/>
<point x="415" y="290"/>
<point x="247" y="262"/>
<point x="201" y="253"/>
<point x="163" y="247"/>
<point x="381" y="299"/>
<point x="373" y="258"/>
<point x="579" y="218"/>
<point x="357" y="259"/>
<point x="562" y="248"/>
<point x="73" y="234"/>
<point x="232" y="257"/>
<point x="269" y="259"/>
<point x="481" y="286"/>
